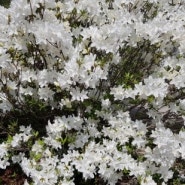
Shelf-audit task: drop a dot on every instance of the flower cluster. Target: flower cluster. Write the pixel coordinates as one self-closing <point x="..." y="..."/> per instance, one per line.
<point x="93" y="90"/>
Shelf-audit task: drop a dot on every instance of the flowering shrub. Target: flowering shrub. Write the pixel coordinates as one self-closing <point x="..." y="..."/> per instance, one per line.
<point x="93" y="92"/>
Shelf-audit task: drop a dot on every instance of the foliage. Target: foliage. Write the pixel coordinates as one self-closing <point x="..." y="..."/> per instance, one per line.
<point x="5" y="3"/>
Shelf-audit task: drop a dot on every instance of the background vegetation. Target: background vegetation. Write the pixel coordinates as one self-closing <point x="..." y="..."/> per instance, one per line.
<point x="5" y="3"/>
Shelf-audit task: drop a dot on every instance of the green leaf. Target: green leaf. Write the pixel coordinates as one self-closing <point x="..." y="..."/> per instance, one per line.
<point x="38" y="156"/>
<point x="10" y="138"/>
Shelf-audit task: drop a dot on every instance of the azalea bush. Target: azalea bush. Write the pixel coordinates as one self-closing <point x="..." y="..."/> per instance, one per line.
<point x="93" y="92"/>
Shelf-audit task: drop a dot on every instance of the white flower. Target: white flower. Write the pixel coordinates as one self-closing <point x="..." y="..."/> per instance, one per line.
<point x="28" y="76"/>
<point x="148" y="181"/>
<point x="5" y="105"/>
<point x="118" y="92"/>
<point x="106" y="103"/>
<point x="3" y="150"/>
<point x="56" y="127"/>
<point x="37" y="147"/>
<point x="16" y="140"/>
<point x="45" y="93"/>
<point x="79" y="95"/>
<point x="45" y="77"/>
<point x="4" y="163"/>
<point x="89" y="61"/>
